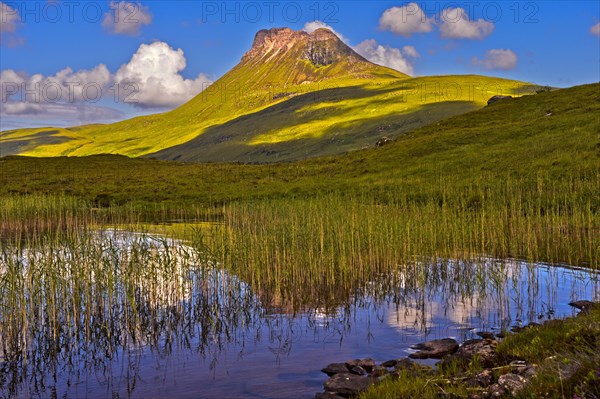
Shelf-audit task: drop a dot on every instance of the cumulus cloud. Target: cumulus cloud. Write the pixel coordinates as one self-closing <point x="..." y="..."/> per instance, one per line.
<point x="154" y="70"/>
<point x="497" y="59"/>
<point x="64" y="86"/>
<point x="595" y="30"/>
<point x="406" y="20"/>
<point x="457" y="25"/>
<point x="387" y="56"/>
<point x="9" y="22"/>
<point x="126" y="18"/>
<point x="410" y="51"/>
<point x="312" y="26"/>
<point x="151" y="79"/>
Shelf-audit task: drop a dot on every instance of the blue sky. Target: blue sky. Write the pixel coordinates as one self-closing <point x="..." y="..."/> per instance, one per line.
<point x="544" y="42"/>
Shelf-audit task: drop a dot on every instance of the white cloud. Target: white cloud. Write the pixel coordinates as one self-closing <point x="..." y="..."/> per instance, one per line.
<point x="410" y="51"/>
<point x="22" y="108"/>
<point x="25" y="114"/>
<point x="457" y="25"/>
<point x="155" y="70"/>
<point x="64" y="86"/>
<point x="406" y="20"/>
<point x="595" y="30"/>
<point x="9" y="19"/>
<point x="497" y="59"/>
<point x="9" y="22"/>
<point x="126" y="18"/>
<point x="69" y="97"/>
<point x="312" y="26"/>
<point x="386" y="55"/>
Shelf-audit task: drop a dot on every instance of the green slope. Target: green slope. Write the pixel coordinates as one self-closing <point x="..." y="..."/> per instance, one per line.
<point x="293" y="95"/>
<point x="508" y="140"/>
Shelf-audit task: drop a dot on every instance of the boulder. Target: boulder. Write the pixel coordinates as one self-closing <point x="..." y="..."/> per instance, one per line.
<point x="366" y="364"/>
<point x="358" y="370"/>
<point x="435" y="349"/>
<point x="335" y="368"/>
<point x="583" y="304"/>
<point x="347" y="384"/>
<point x="379" y="371"/>
<point x="399" y="363"/>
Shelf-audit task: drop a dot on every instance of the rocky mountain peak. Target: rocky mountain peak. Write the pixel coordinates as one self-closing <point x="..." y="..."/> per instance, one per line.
<point x="321" y="47"/>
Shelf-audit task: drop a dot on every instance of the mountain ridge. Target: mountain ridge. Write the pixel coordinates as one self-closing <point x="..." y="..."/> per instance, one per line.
<point x="293" y="95"/>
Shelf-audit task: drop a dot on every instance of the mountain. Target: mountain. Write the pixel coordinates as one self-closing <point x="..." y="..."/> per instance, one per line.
<point x="293" y="95"/>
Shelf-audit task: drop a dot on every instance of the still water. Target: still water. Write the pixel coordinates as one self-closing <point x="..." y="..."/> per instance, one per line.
<point x="165" y="322"/>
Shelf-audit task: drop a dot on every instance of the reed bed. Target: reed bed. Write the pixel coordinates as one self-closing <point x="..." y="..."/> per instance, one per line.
<point x="75" y="294"/>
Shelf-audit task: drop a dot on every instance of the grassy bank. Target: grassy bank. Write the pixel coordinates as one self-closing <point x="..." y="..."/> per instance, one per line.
<point x="566" y="352"/>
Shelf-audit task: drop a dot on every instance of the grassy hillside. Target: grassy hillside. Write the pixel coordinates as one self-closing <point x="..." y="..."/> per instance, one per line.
<point x="514" y="138"/>
<point x="515" y="179"/>
<point x="277" y="105"/>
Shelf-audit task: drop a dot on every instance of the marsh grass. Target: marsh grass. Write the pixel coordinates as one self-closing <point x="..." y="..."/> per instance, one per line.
<point x="76" y="294"/>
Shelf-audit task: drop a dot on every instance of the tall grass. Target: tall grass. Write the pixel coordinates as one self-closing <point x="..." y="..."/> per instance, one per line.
<point x="71" y="293"/>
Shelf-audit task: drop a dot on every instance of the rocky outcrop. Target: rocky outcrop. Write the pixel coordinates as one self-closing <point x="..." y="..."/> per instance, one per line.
<point x="321" y="47"/>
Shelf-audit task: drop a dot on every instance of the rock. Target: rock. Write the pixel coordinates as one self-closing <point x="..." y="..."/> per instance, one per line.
<point x="518" y="329"/>
<point x="583" y="305"/>
<point x="435" y="349"/>
<point x="335" y="368"/>
<point x="405" y="363"/>
<point x="486" y="335"/>
<point x="502" y="334"/>
<point x="496" y="99"/>
<point x="347" y="384"/>
<point x="513" y="383"/>
<point x="485" y="378"/>
<point x="379" y="371"/>
<point x="398" y="363"/>
<point x="484" y="349"/>
<point x="382" y="141"/>
<point x="358" y="370"/>
<point x="495" y="391"/>
<point x="529" y="372"/>
<point x="366" y="364"/>
<point x="328" y="395"/>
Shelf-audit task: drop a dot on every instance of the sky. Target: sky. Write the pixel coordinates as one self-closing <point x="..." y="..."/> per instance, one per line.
<point x="69" y="62"/>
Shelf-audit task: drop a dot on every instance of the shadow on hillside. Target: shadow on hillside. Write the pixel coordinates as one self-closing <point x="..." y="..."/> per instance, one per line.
<point x="17" y="146"/>
<point x="233" y="140"/>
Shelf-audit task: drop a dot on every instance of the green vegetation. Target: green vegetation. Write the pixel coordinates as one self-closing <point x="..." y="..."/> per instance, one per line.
<point x="567" y="353"/>
<point x="506" y="181"/>
<point x="277" y="106"/>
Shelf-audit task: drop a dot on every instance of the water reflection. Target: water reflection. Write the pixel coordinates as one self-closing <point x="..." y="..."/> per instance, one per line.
<point x="131" y="315"/>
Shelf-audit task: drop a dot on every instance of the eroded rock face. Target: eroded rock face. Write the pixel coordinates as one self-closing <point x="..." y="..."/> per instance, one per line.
<point x="321" y="47"/>
<point x="435" y="349"/>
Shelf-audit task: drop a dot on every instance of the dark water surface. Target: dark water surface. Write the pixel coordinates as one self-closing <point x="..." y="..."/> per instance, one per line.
<point x="218" y="339"/>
